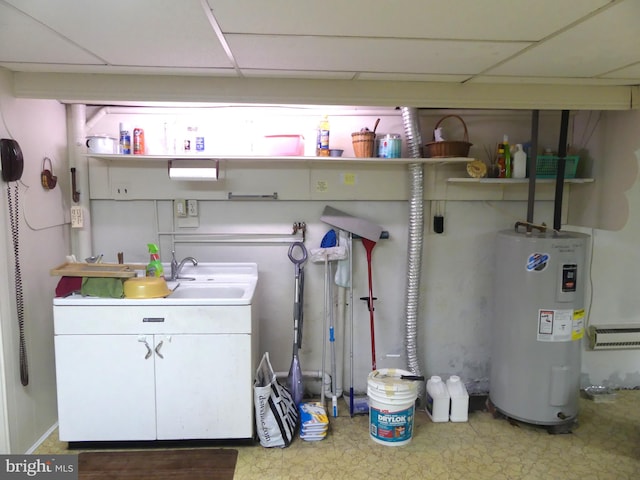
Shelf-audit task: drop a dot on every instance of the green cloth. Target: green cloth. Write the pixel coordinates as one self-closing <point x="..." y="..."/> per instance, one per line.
<point x="102" y="287"/>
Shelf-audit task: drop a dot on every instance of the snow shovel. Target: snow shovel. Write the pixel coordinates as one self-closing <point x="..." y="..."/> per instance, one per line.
<point x="294" y="379"/>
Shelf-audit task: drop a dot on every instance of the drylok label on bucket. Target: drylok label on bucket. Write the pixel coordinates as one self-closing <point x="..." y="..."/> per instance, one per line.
<point x="393" y="426"/>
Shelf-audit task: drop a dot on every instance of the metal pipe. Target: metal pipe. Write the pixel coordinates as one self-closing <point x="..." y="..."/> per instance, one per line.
<point x="414" y="250"/>
<point x="325" y="378"/>
<point x="562" y="158"/>
<point x="81" y="240"/>
<point x="533" y="155"/>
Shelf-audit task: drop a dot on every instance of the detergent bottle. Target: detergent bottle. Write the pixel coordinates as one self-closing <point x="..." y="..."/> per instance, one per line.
<point x="154" y="267"/>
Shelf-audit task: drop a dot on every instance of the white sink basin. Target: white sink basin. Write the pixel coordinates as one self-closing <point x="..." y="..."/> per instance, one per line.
<point x="208" y="290"/>
<point x="215" y="272"/>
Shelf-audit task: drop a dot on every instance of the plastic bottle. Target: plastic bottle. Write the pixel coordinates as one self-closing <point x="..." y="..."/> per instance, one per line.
<point x="500" y="161"/>
<point x="459" y="399"/>
<point x="154" y="267"/>
<point x="437" y="400"/>
<point x="322" y="147"/>
<point x="519" y="162"/>
<point x="125" y="139"/>
<point x="138" y="141"/>
<point x="507" y="156"/>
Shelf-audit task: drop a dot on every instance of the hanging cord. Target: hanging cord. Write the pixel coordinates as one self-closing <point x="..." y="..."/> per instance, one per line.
<point x="15" y="234"/>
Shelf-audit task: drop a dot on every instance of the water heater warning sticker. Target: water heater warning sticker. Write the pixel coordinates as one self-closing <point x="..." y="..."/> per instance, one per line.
<point x="537" y="262"/>
<point x="578" y="324"/>
<point x="555" y="325"/>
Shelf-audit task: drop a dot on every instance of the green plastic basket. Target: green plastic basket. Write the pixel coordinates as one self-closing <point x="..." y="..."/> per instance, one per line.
<point x="547" y="166"/>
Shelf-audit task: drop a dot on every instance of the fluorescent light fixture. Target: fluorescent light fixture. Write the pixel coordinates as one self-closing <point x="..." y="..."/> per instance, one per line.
<point x="198" y="170"/>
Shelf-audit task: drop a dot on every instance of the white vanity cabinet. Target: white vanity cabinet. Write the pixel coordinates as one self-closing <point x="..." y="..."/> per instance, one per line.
<point x="151" y="372"/>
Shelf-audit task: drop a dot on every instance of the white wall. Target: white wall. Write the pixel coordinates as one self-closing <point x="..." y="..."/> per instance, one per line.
<point x="458" y="266"/>
<point x="615" y="272"/>
<point x="39" y="126"/>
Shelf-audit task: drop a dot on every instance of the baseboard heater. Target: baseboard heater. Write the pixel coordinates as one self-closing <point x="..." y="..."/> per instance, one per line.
<point x="611" y="337"/>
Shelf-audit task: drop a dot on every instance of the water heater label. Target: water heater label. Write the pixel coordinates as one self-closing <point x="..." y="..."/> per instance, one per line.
<point x="536" y="262"/>
<point x="578" y="324"/>
<point x="555" y="325"/>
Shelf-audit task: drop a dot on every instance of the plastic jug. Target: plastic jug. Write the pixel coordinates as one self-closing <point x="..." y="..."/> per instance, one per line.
<point x="519" y="163"/>
<point x="459" y="399"/>
<point x="437" y="400"/>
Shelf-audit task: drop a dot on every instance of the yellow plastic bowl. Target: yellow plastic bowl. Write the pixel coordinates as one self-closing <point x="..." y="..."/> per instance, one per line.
<point x="146" y="287"/>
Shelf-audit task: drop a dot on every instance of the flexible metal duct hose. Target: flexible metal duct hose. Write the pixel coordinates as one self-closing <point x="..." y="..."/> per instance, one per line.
<point x="416" y="227"/>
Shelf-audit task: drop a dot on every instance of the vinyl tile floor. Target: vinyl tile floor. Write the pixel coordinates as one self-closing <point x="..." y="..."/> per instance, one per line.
<point x="604" y="445"/>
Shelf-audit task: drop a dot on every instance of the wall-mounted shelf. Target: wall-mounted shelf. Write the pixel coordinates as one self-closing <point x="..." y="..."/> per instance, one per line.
<point x="284" y="159"/>
<point x="514" y="181"/>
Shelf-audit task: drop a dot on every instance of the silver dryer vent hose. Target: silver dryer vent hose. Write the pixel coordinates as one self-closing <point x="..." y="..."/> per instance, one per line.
<point x="414" y="252"/>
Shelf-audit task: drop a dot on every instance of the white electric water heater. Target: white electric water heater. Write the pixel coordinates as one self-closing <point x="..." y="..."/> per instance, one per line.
<point x="538" y="326"/>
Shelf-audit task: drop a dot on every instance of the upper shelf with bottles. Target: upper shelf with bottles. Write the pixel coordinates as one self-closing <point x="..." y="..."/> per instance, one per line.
<point x="284" y="159"/>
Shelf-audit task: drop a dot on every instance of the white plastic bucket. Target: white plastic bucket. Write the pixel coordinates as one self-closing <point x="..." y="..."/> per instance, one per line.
<point x="391" y="406"/>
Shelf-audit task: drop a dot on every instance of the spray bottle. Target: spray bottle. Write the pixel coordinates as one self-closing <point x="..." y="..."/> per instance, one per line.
<point x="507" y="156"/>
<point x="154" y="267"/>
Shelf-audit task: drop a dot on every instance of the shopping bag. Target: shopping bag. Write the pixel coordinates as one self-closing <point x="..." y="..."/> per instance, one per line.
<point x="276" y="412"/>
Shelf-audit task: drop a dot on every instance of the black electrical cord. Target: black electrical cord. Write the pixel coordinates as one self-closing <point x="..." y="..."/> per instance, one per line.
<point x="14" y="219"/>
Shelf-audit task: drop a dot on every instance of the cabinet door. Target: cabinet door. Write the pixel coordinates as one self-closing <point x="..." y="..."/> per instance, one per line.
<point x="105" y="387"/>
<point x="204" y="386"/>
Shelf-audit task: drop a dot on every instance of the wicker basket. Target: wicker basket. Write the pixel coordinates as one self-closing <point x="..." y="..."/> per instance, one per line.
<point x="450" y="148"/>
<point x="363" y="143"/>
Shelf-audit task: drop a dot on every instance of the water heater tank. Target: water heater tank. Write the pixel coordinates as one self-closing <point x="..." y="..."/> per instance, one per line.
<point x="538" y="326"/>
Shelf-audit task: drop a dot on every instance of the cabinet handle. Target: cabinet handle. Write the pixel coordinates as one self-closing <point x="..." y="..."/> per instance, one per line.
<point x="149" y="352"/>
<point x="153" y="319"/>
<point x="158" y="349"/>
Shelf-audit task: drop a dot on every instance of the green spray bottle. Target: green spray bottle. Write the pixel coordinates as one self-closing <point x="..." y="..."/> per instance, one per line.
<point x="154" y="267"/>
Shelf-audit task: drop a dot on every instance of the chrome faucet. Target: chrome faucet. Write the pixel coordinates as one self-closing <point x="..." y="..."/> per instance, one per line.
<point x="176" y="267"/>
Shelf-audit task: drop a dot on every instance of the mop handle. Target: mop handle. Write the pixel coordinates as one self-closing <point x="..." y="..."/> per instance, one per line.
<point x="373" y="338"/>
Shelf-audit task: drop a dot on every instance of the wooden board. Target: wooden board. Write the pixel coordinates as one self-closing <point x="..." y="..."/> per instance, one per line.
<point x="113" y="270"/>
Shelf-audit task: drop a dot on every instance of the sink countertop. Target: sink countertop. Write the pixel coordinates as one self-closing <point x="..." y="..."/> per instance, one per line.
<point x="224" y="279"/>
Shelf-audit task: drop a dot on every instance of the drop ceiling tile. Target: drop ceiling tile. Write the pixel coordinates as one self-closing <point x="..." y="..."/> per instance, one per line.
<point x="24" y="40"/>
<point x="249" y="72"/>
<point x="449" y="19"/>
<point x="632" y="72"/>
<point x="367" y="55"/>
<point x="411" y="77"/>
<point x="599" y="45"/>
<point x="134" y="70"/>
<point x="161" y="33"/>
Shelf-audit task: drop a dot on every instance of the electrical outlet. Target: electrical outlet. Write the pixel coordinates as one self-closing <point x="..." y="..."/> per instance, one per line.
<point x="121" y="191"/>
<point x="77" y="220"/>
<point x="192" y="208"/>
<point x="180" y="207"/>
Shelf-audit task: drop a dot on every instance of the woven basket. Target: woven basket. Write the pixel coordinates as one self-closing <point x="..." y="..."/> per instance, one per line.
<point x="363" y="143"/>
<point x="450" y="148"/>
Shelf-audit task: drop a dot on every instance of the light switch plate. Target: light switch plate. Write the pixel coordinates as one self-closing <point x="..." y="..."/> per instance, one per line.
<point x="192" y="208"/>
<point x="180" y="207"/>
<point x="77" y="219"/>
